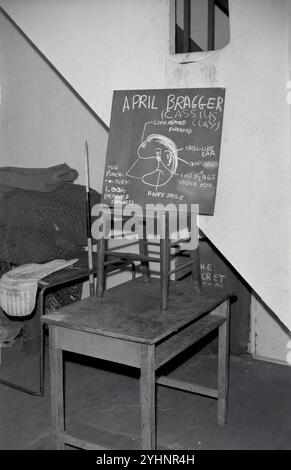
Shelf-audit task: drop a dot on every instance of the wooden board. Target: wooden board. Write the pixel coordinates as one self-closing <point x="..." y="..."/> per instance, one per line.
<point x="164" y="147"/>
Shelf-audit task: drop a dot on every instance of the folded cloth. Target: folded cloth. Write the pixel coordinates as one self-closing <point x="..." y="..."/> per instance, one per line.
<point x="18" y="287"/>
<point x="36" y="179"/>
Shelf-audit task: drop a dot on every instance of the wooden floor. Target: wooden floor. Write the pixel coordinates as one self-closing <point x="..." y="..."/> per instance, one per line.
<point x="107" y="399"/>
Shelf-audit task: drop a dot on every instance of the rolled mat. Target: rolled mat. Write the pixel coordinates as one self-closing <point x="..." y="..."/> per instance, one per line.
<point x="36" y="179"/>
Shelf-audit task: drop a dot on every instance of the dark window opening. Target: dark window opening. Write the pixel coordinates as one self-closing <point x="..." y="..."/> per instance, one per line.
<point x="201" y="25"/>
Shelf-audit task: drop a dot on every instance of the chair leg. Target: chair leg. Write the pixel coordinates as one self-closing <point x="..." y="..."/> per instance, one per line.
<point x="143" y="250"/>
<point x="164" y="260"/>
<point x="196" y="276"/>
<point x="100" y="267"/>
<point x="133" y="271"/>
<point x="148" y="397"/>
<point x="223" y="364"/>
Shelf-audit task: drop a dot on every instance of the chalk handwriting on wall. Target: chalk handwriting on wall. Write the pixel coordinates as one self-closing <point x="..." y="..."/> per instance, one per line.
<point x="210" y="277"/>
<point x="164" y="145"/>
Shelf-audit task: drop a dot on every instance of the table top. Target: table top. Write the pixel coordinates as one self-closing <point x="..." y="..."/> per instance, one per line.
<point x="131" y="311"/>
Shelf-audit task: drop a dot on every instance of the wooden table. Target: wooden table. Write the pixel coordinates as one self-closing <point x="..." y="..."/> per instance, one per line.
<point x="127" y="327"/>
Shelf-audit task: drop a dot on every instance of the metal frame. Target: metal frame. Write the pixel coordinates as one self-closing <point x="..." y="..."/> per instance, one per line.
<point x="46" y="284"/>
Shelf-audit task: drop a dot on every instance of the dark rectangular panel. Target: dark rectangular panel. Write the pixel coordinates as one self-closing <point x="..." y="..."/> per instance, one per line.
<point x="164" y="147"/>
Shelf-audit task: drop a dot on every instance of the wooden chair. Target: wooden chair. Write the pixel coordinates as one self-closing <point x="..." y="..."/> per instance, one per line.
<point x="165" y="244"/>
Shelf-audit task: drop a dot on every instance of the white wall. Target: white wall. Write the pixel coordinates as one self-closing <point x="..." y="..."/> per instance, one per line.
<point x="251" y="226"/>
<point x="99" y="46"/>
<point x="42" y="121"/>
<point x="269" y="339"/>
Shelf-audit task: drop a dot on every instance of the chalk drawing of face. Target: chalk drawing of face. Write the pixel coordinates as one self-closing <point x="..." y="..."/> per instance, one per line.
<point x="161" y="153"/>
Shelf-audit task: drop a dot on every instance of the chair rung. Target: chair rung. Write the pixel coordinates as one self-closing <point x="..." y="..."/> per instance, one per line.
<point x="179" y="268"/>
<point x="131" y="256"/>
<point x="117" y="263"/>
<point x="148" y="242"/>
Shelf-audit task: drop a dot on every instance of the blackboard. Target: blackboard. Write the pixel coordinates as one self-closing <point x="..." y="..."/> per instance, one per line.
<point x="164" y="147"/>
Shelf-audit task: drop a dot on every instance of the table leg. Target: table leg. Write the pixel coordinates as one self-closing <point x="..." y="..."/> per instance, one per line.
<point x="223" y="364"/>
<point x="57" y="390"/>
<point x="147" y="397"/>
<point x="41" y="307"/>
